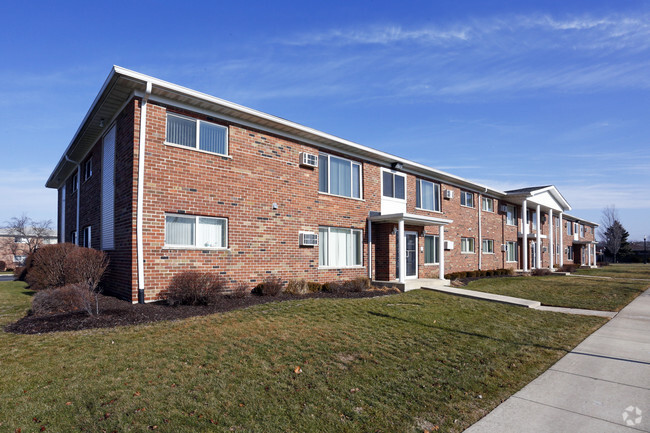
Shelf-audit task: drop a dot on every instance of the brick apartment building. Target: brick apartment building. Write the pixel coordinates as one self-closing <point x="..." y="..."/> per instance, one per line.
<point x="165" y="179"/>
<point x="14" y="248"/>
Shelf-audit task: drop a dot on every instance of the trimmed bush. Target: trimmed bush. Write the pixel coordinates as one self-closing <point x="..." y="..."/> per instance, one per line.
<point x="540" y="272"/>
<point x="569" y="267"/>
<point x="297" y="287"/>
<point x="359" y="284"/>
<point x="46" y="269"/>
<point x="271" y="286"/>
<point x="195" y="288"/>
<point x="241" y="290"/>
<point x="334" y="287"/>
<point x="3" y="266"/>
<point x="70" y="298"/>
<point x="314" y="287"/>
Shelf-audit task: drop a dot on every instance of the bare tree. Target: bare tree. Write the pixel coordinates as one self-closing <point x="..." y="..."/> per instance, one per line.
<point x="612" y="231"/>
<point x="28" y="232"/>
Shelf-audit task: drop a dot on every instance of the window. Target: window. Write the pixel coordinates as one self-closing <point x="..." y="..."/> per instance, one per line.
<point x="511" y="251"/>
<point x="576" y="227"/>
<point x="488" y="204"/>
<point x="511" y="215"/>
<point x="557" y="222"/>
<point x="73" y="237"/>
<point x="467" y="245"/>
<point x="582" y="231"/>
<point x="88" y="169"/>
<point x="75" y="182"/>
<point x="339" y="176"/>
<point x="569" y="253"/>
<point x="393" y="185"/>
<point x="466" y="199"/>
<point x="557" y="249"/>
<point x="20" y="260"/>
<point x="195" y="231"/>
<point x="340" y="248"/>
<point x="431" y="248"/>
<point x="427" y="195"/>
<point x="86" y="239"/>
<point x="488" y="246"/>
<point x="197" y="134"/>
<point x="568" y="228"/>
<point x="107" y="222"/>
<point x="532" y="217"/>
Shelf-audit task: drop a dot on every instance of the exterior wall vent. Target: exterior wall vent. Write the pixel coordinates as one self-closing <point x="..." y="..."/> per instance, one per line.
<point x="308" y="159"/>
<point x="308" y="239"/>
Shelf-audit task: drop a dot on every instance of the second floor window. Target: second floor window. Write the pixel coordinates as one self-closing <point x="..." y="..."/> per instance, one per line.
<point x="427" y="195"/>
<point x="197" y="134"/>
<point x="488" y="204"/>
<point x="88" y="169"/>
<point x="568" y="228"/>
<point x="393" y="185"/>
<point x="466" y="199"/>
<point x="511" y="215"/>
<point x="75" y="181"/>
<point x="339" y="176"/>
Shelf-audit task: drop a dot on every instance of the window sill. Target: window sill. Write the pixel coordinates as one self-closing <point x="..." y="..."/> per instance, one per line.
<point x="341" y="267"/>
<point x="180" y="146"/>
<point x="468" y="207"/>
<point x="492" y="253"/>
<point x="432" y="264"/>
<point x="190" y="248"/>
<point x="468" y="252"/>
<point x="428" y="210"/>
<point x="509" y="261"/>
<point x="341" y="196"/>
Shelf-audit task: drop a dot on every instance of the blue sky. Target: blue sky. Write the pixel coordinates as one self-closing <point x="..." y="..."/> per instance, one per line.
<point x="509" y="94"/>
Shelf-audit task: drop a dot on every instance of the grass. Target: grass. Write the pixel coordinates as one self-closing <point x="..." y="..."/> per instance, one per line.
<point x="619" y="270"/>
<point x="406" y="363"/>
<point x="574" y="292"/>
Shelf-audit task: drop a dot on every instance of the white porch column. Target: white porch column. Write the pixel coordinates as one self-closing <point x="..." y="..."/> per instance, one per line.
<point x="538" y="240"/>
<point x="589" y="254"/>
<point x="402" y="251"/>
<point x="370" y="249"/>
<point x="561" y="236"/>
<point x="595" y="259"/>
<point x="551" y="245"/>
<point x="524" y="232"/>
<point x="441" y="253"/>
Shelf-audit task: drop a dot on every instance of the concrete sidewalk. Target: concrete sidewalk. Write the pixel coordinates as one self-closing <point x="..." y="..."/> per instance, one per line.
<point x="603" y="385"/>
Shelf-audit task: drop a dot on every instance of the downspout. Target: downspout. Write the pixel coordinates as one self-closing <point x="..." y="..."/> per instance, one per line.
<point x="76" y="240"/>
<point x="139" y="204"/>
<point x="370" y="249"/>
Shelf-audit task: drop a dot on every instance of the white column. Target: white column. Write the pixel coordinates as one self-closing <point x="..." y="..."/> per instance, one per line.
<point x="561" y="235"/>
<point x="524" y="232"/>
<point x="369" y="249"/>
<point x="480" y="233"/>
<point x="538" y="240"/>
<point x="402" y="251"/>
<point x="441" y="252"/>
<point x="595" y="260"/>
<point x="551" y="244"/>
<point x="589" y="254"/>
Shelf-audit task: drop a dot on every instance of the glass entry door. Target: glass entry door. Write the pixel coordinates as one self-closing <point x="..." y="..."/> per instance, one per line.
<point x="411" y="255"/>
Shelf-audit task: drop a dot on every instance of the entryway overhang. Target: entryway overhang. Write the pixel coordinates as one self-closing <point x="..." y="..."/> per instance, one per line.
<point x="401" y="219"/>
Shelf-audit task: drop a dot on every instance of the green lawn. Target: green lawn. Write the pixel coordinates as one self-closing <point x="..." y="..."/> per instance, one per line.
<point x="620" y="270"/>
<point x="575" y="292"/>
<point x="400" y="363"/>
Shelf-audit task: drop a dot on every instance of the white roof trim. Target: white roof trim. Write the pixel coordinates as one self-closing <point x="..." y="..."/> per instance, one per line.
<point x="410" y="218"/>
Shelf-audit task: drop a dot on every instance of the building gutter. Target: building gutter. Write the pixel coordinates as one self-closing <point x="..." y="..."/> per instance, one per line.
<point x="139" y="204"/>
<point x="76" y="238"/>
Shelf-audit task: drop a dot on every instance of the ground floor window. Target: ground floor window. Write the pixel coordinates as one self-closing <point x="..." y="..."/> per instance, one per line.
<point x="86" y="239"/>
<point x="467" y="245"/>
<point x="431" y="245"/>
<point x="488" y="246"/>
<point x="569" y="253"/>
<point x="196" y="231"/>
<point x="340" y="248"/>
<point x="511" y="251"/>
<point x="73" y="237"/>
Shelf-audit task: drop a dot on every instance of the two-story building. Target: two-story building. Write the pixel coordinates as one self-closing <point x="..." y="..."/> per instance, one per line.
<point x="165" y="179"/>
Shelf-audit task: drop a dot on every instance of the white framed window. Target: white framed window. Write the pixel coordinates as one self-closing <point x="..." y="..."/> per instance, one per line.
<point x="532" y="217"/>
<point x="194" y="231"/>
<point x="488" y="246"/>
<point x="427" y="195"/>
<point x="431" y="248"/>
<point x="557" y="222"/>
<point x="107" y="178"/>
<point x="339" y="176"/>
<point x="467" y="246"/>
<point x="393" y="185"/>
<point x="340" y="248"/>
<point x="88" y="169"/>
<point x="75" y="182"/>
<point x="86" y="241"/>
<point x="569" y="253"/>
<point x="196" y="134"/>
<point x="568" y="228"/>
<point x="73" y="237"/>
<point x="582" y="231"/>
<point x="557" y="249"/>
<point x="511" y="251"/>
<point x="467" y="199"/>
<point x="487" y="204"/>
<point x="20" y="260"/>
<point x="511" y="215"/>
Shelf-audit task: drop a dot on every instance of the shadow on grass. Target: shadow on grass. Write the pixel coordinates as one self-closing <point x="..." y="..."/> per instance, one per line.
<point x="28" y="292"/>
<point x="471" y="334"/>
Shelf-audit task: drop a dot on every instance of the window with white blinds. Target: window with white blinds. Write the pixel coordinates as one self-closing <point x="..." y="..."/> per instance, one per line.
<point x="62" y="219"/>
<point x="209" y="137"/>
<point x="108" y="191"/>
<point x="196" y="231"/>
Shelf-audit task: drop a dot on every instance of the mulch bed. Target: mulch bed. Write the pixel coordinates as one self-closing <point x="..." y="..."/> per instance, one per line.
<point x="115" y="312"/>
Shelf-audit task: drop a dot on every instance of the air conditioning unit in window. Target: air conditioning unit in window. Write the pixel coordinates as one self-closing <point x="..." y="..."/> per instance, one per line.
<point x="449" y="194"/>
<point x="504" y="247"/>
<point x="308" y="159"/>
<point x="503" y="208"/>
<point x="544" y="249"/>
<point x="449" y="245"/>
<point x="308" y="239"/>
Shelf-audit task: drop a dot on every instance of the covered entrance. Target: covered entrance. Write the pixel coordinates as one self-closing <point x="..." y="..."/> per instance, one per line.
<point x="399" y="249"/>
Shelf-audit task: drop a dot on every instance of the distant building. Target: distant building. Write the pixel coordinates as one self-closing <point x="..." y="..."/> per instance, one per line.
<point x="14" y="249"/>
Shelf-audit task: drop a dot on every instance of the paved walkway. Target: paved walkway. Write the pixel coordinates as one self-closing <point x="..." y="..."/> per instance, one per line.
<point x="603" y="385"/>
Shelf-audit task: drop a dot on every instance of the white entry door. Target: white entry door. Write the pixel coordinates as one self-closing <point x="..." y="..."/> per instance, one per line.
<point x="411" y="254"/>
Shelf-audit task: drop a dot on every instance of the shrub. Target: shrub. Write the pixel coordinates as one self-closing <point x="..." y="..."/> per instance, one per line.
<point x="271" y="286"/>
<point x="540" y="272"/>
<point x="297" y="287"/>
<point x="195" y="288"/>
<point x="20" y="273"/>
<point x="73" y="297"/>
<point x="46" y="269"/>
<point x="334" y="287"/>
<point x="10" y="269"/>
<point x="601" y="264"/>
<point x="569" y="267"/>
<point x="241" y="290"/>
<point x="359" y="284"/>
<point x="85" y="266"/>
<point x="314" y="287"/>
<point x="3" y="266"/>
